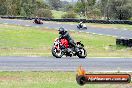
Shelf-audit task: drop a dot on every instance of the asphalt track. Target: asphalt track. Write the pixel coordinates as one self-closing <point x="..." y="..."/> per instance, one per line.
<point x="120" y="33"/>
<point x="65" y="64"/>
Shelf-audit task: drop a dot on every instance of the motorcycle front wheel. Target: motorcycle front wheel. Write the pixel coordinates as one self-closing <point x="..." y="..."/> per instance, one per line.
<point x="57" y="53"/>
<point x="82" y="53"/>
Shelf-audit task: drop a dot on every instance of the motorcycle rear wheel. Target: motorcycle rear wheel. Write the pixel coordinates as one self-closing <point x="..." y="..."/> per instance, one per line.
<point x="82" y="53"/>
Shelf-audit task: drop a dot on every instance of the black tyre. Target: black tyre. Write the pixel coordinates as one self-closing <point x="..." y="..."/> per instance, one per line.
<point x="82" y="53"/>
<point x="85" y="27"/>
<point x="78" y="27"/>
<point x="56" y="53"/>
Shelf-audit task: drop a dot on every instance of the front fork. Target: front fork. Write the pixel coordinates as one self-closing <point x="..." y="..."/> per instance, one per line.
<point x="57" y="47"/>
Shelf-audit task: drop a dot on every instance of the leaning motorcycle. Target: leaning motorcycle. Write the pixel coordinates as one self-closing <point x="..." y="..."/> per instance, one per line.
<point x="62" y="47"/>
<point x="38" y="22"/>
<point x="83" y="26"/>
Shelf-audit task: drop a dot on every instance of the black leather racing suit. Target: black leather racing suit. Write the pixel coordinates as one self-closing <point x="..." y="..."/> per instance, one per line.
<point x="37" y="20"/>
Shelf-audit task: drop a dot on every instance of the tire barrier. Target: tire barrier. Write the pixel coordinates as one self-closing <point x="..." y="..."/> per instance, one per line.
<point x="73" y="20"/>
<point x="124" y="42"/>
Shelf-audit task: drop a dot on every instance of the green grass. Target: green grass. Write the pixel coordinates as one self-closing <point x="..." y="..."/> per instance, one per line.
<point x="57" y="14"/>
<point x="25" y="41"/>
<point x="26" y="38"/>
<point x="47" y="80"/>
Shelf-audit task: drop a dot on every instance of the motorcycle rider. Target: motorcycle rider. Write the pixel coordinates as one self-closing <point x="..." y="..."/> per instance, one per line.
<point x="37" y="20"/>
<point x="64" y="34"/>
<point x="81" y="24"/>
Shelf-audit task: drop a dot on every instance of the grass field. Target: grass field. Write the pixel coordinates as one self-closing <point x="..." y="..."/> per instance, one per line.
<point x="57" y="14"/>
<point x="25" y="41"/>
<point x="47" y="80"/>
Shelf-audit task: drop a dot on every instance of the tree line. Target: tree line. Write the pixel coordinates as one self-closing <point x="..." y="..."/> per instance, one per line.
<point x="91" y="9"/>
<point x="106" y="9"/>
<point x="24" y="8"/>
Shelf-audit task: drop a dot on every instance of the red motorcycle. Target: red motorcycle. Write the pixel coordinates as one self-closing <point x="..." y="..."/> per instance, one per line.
<point x="38" y="22"/>
<point x="62" y="47"/>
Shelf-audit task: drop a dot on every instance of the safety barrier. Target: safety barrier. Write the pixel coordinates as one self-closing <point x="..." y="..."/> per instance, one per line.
<point x="124" y="42"/>
<point x="72" y="20"/>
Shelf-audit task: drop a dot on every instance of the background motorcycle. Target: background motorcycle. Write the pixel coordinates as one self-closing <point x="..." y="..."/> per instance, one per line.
<point x="38" y="22"/>
<point x="83" y="26"/>
<point x="61" y="47"/>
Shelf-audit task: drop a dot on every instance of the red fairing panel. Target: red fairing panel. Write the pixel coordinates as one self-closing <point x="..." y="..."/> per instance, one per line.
<point x="65" y="42"/>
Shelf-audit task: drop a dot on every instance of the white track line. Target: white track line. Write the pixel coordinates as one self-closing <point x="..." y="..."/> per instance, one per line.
<point x="27" y="25"/>
<point x="5" y="23"/>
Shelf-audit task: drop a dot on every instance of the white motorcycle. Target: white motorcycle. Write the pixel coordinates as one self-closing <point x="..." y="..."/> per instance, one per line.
<point x="81" y="26"/>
